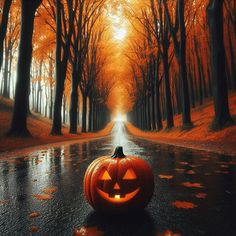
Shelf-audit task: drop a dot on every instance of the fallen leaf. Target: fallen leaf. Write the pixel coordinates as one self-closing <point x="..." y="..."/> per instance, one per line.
<point x="201" y="195"/>
<point x="4" y="202"/>
<point x="183" y="205"/>
<point x="34" y="214"/>
<point x="168" y="233"/>
<point x="50" y="190"/>
<point x="166" y="176"/>
<point x="34" y="229"/>
<point x="192" y="185"/>
<point x="88" y="231"/>
<point x="190" y="172"/>
<point x="42" y="196"/>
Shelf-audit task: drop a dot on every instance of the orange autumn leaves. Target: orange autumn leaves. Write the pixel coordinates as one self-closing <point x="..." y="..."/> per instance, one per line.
<point x="47" y="194"/>
<point x="94" y="231"/>
<point x="182" y="204"/>
<point x="88" y="231"/>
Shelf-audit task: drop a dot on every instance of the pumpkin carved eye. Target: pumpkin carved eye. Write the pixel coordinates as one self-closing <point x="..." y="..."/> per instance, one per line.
<point x="129" y="175"/>
<point x="105" y="176"/>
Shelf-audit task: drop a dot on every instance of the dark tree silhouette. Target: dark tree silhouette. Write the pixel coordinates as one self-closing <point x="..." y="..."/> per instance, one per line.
<point x="62" y="57"/>
<point x="19" y="118"/>
<point x="3" y="27"/>
<point x="180" y="52"/>
<point x="218" y="61"/>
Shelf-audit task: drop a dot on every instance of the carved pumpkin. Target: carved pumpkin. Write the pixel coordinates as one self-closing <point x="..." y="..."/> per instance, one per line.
<point x="118" y="183"/>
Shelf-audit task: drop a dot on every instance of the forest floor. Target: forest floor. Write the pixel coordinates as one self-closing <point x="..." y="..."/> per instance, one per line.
<point x="200" y="137"/>
<point x="40" y="128"/>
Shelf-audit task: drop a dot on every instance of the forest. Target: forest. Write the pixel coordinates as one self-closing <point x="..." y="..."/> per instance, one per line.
<point x="82" y="62"/>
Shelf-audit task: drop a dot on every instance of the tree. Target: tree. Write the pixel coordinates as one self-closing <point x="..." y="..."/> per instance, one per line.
<point x="19" y="118"/>
<point x="180" y="52"/>
<point x="218" y="62"/>
<point x="3" y="26"/>
<point x="64" y="31"/>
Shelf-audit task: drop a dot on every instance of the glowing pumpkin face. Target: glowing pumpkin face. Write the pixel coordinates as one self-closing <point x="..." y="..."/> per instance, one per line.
<point x="118" y="183"/>
<point x="117" y="190"/>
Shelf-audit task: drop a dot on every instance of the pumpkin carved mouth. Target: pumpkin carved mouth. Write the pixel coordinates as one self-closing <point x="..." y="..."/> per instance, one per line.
<point x="117" y="198"/>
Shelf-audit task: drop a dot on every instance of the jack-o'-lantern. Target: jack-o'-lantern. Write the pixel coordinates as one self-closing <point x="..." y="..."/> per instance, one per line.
<point x="118" y="183"/>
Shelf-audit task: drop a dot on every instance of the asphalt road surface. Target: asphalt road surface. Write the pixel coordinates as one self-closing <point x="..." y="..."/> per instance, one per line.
<point x="195" y="192"/>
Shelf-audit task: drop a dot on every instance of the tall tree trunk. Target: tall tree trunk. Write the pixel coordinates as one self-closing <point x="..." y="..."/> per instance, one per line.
<point x="158" y="110"/>
<point x="232" y="59"/>
<point x="6" y="73"/>
<point x="168" y="104"/>
<point x="218" y="61"/>
<point x="64" y="109"/>
<point x="191" y="86"/>
<point x="90" y="120"/>
<point x="84" y="114"/>
<point x="61" y="68"/>
<point x="74" y="102"/>
<point x="51" y="101"/>
<point x="39" y="90"/>
<point x="3" y="27"/>
<point x="186" y="114"/>
<point x="19" y="118"/>
<point x="148" y="113"/>
<point x="200" y="92"/>
<point x="153" y="107"/>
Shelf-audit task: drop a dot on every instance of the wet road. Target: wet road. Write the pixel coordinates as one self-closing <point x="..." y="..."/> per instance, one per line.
<point x="195" y="192"/>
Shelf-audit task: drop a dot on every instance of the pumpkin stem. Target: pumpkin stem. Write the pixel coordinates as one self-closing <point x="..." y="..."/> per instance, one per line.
<point x="118" y="152"/>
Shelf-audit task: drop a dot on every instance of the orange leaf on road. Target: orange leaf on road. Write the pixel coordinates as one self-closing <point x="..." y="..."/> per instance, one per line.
<point x="34" y="229"/>
<point x="34" y="214"/>
<point x="166" y="176"/>
<point x="192" y="185"/>
<point x="168" y="233"/>
<point x="42" y="196"/>
<point x="50" y="190"/>
<point x="4" y="202"/>
<point x="88" y="231"/>
<point x="183" y="205"/>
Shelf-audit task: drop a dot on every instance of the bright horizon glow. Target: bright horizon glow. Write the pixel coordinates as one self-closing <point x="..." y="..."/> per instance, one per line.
<point x="120" y="118"/>
<point x="119" y="33"/>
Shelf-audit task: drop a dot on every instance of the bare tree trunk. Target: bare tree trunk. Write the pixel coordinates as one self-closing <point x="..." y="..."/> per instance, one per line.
<point x="218" y="61"/>
<point x="90" y="120"/>
<point x="74" y="102"/>
<point x="158" y="110"/>
<point x="61" y="67"/>
<point x="3" y="27"/>
<point x="19" y="118"/>
<point x="192" y="94"/>
<point x="84" y="114"/>
<point x="64" y="109"/>
<point x="6" y="73"/>
<point x="168" y="104"/>
<point x="232" y="59"/>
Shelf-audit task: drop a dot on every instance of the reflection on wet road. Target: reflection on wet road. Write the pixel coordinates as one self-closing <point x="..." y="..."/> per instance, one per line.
<point x="195" y="193"/>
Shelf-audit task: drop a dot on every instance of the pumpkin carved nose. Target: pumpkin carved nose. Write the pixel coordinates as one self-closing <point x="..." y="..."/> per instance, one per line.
<point x="116" y="187"/>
